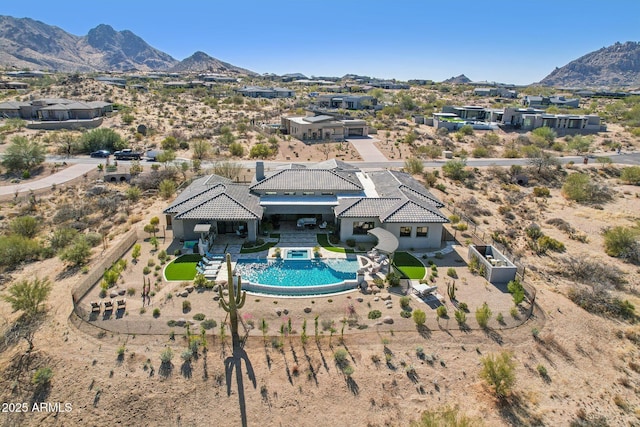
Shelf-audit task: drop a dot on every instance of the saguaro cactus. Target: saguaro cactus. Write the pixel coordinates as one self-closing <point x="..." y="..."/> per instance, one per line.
<point x="451" y="290"/>
<point x="236" y="298"/>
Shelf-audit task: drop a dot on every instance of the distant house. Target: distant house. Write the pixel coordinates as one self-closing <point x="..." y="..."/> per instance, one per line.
<point x="495" y="91"/>
<point x="78" y="114"/>
<point x="266" y="92"/>
<point x="454" y="118"/>
<point x="547" y="101"/>
<point x="385" y="84"/>
<point x="323" y="127"/>
<point x="347" y="102"/>
<point x="218" y="78"/>
<point x="14" y="85"/>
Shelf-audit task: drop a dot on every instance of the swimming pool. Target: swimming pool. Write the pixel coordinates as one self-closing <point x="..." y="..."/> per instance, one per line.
<point x="298" y="277"/>
<point x="190" y="244"/>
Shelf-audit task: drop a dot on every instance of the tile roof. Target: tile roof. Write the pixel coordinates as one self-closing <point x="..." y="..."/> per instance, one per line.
<point x="364" y="207"/>
<point x="309" y="180"/>
<point x="217" y="198"/>
<point x="410" y="211"/>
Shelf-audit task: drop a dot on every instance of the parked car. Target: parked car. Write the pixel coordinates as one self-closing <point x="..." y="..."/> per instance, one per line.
<point x="127" y="154"/>
<point x="100" y="153"/>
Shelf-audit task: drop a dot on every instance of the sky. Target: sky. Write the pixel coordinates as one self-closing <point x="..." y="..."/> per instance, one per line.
<point x="516" y="41"/>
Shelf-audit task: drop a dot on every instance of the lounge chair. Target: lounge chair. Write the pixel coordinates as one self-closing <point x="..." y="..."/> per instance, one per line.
<point x="95" y="307"/>
<point x="108" y="305"/>
<point x="121" y="303"/>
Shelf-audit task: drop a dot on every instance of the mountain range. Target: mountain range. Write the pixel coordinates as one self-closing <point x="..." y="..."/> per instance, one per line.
<point x="613" y="66"/>
<point x="31" y="44"/>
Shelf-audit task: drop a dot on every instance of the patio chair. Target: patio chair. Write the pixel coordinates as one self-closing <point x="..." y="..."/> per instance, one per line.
<point x="121" y="303"/>
<point x="323" y="225"/>
<point x="108" y="305"/>
<point x="95" y="307"/>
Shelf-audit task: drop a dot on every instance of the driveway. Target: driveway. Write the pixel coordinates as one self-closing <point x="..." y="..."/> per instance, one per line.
<point x="367" y="149"/>
<point x="57" y="178"/>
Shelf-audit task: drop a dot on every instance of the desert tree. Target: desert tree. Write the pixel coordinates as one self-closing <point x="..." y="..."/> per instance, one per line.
<point x="541" y="160"/>
<point x="580" y="143"/>
<point x="413" y="166"/>
<point x="167" y="188"/>
<point x="78" y="253"/>
<point x="23" y="155"/>
<point x="102" y="139"/>
<point x="229" y="170"/>
<point x="631" y="175"/>
<point x="28" y="296"/>
<point x="499" y="373"/>
<point x="200" y="149"/>
<point x="544" y="136"/>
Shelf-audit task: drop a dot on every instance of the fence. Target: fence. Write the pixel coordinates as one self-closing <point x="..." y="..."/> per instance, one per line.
<point x="107" y="259"/>
<point x="481" y="237"/>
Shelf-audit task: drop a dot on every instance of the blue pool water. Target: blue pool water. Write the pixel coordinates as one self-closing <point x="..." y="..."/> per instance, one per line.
<point x="190" y="244"/>
<point x="311" y="274"/>
<point x="297" y="254"/>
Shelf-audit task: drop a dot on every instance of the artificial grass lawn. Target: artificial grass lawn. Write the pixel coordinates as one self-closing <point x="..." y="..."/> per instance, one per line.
<point x="409" y="265"/>
<point x="183" y="267"/>
<point x="323" y="241"/>
<point x="258" y="248"/>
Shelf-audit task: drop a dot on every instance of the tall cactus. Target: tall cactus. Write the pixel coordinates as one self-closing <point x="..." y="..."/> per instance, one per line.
<point x="236" y="298"/>
<point x="451" y="290"/>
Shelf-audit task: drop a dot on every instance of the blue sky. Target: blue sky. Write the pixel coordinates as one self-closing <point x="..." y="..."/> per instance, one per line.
<point x="506" y="41"/>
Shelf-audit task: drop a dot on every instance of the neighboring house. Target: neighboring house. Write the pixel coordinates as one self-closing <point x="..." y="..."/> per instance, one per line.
<point x="454" y="118"/>
<point x="57" y="109"/>
<point x="547" y="101"/>
<point x="219" y="78"/>
<point x="323" y="127"/>
<point x="347" y="102"/>
<point x="14" y="85"/>
<point x="389" y="84"/>
<point x="332" y="191"/>
<point x="495" y="91"/>
<point x="266" y="92"/>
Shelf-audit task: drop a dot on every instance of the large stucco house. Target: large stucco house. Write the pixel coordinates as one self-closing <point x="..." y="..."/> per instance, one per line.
<point x="318" y="127"/>
<point x="351" y="201"/>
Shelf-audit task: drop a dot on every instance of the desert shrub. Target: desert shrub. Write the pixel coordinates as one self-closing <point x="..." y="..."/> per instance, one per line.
<point x="166" y="356"/>
<point x="404" y="301"/>
<point x="580" y="188"/>
<point x="499" y="372"/>
<point x="622" y="242"/>
<point x="463" y="306"/>
<point x="374" y="314"/>
<point x="445" y="417"/>
<point x="631" y="175"/>
<point x="15" y="249"/>
<point x="546" y="243"/>
<point x="441" y="311"/>
<point x="26" y="226"/>
<point x="544" y="136"/>
<point x="209" y="324"/>
<point x="516" y="290"/>
<point x="461" y="316"/>
<point x="541" y="192"/>
<point x="42" y="377"/>
<point x="542" y="370"/>
<point x="413" y="166"/>
<point x="451" y="272"/>
<point x="456" y="170"/>
<point x="93" y="238"/>
<point x="587" y="270"/>
<point x="199" y="316"/>
<point x="483" y="314"/>
<point x="600" y="301"/>
<point x="534" y="232"/>
<point x="419" y="317"/>
<point x="351" y="243"/>
<point x="561" y="225"/>
<point x="156" y="312"/>
<point x="186" y="306"/>
<point x="405" y="314"/>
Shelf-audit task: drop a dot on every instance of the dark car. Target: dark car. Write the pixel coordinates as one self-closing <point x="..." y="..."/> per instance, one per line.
<point x="100" y="153"/>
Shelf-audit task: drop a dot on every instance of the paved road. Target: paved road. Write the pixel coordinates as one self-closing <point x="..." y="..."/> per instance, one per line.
<point x="72" y="172"/>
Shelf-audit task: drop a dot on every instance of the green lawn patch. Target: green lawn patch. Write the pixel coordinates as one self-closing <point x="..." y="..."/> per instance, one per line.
<point x="323" y="241"/>
<point x="260" y="248"/>
<point x="409" y="265"/>
<point x="183" y="267"/>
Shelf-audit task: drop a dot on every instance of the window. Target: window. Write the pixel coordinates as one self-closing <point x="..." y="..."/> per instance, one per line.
<point x="405" y="231"/>
<point x="327" y="193"/>
<point x="308" y="193"/>
<point x="362" y="227"/>
<point x="289" y="193"/>
<point x="270" y="193"/>
<point x="422" y="231"/>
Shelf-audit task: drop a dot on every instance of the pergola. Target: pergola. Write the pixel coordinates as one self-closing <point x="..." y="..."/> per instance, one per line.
<point x="387" y="241"/>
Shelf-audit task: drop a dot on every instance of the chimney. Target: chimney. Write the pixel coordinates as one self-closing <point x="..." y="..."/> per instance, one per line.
<point x="259" y="171"/>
